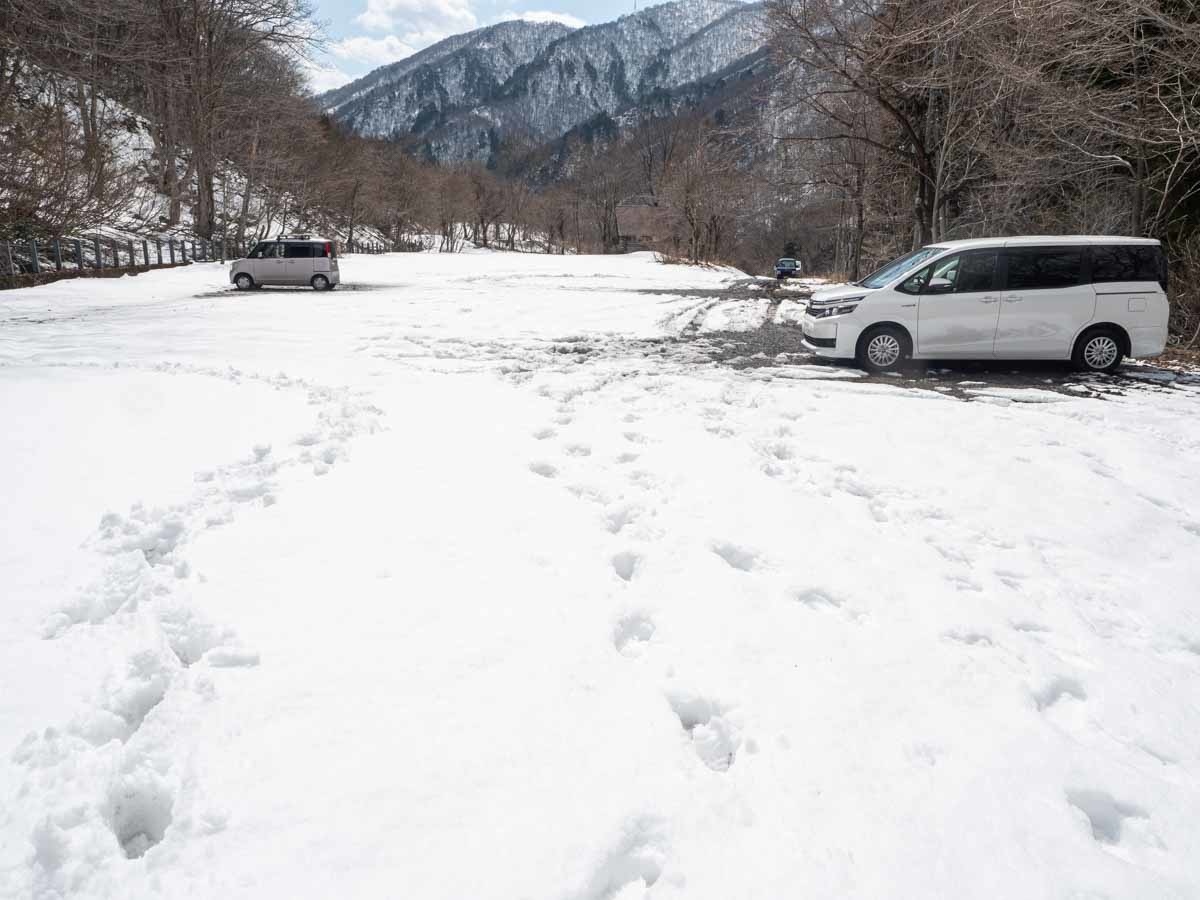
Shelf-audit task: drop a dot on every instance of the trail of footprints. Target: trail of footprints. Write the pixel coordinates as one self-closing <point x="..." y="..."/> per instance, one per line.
<point x="709" y="725"/>
<point x="143" y="590"/>
<point x="705" y="723"/>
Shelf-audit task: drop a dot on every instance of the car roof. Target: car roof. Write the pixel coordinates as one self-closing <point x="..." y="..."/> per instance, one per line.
<point x="299" y="239"/>
<point x="1057" y="240"/>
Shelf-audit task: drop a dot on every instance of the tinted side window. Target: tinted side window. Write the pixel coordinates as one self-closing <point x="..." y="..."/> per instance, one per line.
<point x="1033" y="268"/>
<point x="1125" y="263"/>
<point x="976" y="272"/>
<point x="298" y="251"/>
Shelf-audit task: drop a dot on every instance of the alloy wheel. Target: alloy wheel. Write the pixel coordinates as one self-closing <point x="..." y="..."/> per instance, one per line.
<point x="883" y="351"/>
<point x="1100" y="352"/>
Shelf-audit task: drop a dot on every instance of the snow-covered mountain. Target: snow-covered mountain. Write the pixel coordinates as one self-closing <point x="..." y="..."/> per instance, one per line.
<point x="461" y="71"/>
<point x="464" y="96"/>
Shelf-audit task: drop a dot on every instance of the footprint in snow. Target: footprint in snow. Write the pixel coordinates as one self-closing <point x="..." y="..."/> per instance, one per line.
<point x="1057" y="690"/>
<point x="970" y="638"/>
<point x="618" y="518"/>
<point x="544" y="469"/>
<point x="1030" y="627"/>
<point x="139" y="809"/>
<point x="626" y="564"/>
<point x="817" y="598"/>
<point x="714" y="737"/>
<point x="631" y="632"/>
<point x="1111" y="821"/>
<point x="740" y="558"/>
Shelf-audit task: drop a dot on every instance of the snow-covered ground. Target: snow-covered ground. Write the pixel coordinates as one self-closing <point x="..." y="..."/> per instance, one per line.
<point x="457" y="583"/>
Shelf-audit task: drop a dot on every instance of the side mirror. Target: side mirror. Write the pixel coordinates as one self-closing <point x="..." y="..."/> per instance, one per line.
<point x="939" y="286"/>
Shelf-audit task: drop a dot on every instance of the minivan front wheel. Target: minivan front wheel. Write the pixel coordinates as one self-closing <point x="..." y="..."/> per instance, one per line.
<point x="320" y="283"/>
<point x="243" y="282"/>
<point x="1098" y="350"/>
<point x="884" y="349"/>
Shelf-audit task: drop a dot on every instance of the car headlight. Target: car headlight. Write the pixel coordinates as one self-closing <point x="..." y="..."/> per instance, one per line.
<point x="842" y="308"/>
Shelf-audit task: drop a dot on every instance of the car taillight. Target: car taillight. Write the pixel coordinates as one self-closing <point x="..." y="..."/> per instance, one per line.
<point x="328" y="249"/>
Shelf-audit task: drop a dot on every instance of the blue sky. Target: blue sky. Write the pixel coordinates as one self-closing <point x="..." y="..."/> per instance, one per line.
<point x="366" y="34"/>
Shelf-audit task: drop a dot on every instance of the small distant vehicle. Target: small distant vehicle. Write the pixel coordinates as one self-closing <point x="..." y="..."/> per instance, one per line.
<point x="1091" y="300"/>
<point x="290" y="259"/>
<point x="787" y="268"/>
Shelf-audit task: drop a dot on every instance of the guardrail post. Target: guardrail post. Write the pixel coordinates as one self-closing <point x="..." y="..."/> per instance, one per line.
<point x="99" y="254"/>
<point x="78" y="255"/>
<point x="171" y="247"/>
<point x="58" y="254"/>
<point x="37" y="265"/>
<point x="116" y="254"/>
<point x="132" y="258"/>
<point x="158" y="249"/>
<point x="146" y="252"/>
<point x="193" y="251"/>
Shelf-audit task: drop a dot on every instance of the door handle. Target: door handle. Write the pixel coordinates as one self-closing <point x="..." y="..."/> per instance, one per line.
<point x="1013" y="299"/>
<point x="989" y="299"/>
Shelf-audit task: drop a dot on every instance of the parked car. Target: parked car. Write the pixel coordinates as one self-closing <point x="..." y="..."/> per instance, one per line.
<point x="1093" y="300"/>
<point x="289" y="259"/>
<point x="787" y="268"/>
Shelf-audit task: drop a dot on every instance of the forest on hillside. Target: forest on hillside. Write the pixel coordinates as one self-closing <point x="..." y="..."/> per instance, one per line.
<point x="929" y="120"/>
<point x="881" y="125"/>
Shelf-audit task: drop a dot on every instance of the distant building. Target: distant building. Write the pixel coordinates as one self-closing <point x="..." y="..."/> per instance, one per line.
<point x="643" y="224"/>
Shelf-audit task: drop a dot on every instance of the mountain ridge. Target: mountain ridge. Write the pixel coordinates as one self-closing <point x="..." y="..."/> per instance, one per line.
<point x="466" y="96"/>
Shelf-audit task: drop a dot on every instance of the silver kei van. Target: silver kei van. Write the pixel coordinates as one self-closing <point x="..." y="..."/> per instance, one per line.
<point x="292" y="259"/>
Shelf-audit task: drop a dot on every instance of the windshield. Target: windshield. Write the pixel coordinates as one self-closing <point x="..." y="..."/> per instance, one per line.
<point x="786" y="264"/>
<point x="897" y="267"/>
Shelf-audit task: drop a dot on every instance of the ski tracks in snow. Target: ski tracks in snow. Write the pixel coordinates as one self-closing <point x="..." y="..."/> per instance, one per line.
<point x="104" y="788"/>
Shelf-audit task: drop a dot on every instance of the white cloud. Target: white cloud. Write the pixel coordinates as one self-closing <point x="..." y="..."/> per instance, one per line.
<point x="419" y="17"/>
<point x="371" y="51"/>
<point x="323" y="78"/>
<point x="542" y="15"/>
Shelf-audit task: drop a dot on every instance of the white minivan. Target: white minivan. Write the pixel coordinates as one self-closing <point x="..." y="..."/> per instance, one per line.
<point x="1092" y="300"/>
<point x="293" y="259"/>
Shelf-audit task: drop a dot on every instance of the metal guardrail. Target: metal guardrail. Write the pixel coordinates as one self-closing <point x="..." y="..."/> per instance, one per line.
<point x="71" y="257"/>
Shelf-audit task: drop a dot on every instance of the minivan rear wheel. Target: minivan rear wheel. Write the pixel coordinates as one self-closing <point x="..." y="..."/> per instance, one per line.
<point x="243" y="282"/>
<point x="320" y="283"/>
<point x="884" y="349"/>
<point x="1098" y="350"/>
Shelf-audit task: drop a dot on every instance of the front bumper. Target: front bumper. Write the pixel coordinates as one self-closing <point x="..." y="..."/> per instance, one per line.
<point x="821" y="336"/>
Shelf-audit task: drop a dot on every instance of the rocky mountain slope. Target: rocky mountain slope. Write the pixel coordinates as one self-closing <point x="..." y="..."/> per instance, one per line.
<point x="462" y="98"/>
